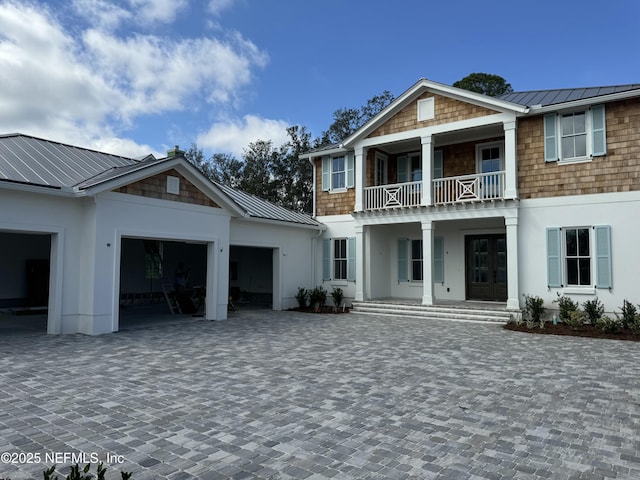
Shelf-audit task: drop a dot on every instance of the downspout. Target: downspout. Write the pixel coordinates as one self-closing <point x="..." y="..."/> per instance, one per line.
<point x="313" y="164"/>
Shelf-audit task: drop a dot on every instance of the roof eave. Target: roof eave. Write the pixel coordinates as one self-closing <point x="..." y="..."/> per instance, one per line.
<point x="424" y="84"/>
<point x="612" y="97"/>
<point x="271" y="221"/>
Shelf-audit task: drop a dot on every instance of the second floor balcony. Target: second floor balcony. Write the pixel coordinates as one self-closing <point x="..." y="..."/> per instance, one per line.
<point x="449" y="190"/>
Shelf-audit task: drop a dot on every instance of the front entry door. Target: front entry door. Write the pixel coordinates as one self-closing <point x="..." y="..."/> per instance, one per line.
<point x="486" y="267"/>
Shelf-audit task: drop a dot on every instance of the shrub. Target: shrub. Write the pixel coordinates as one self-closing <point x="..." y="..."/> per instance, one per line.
<point x="608" y="324"/>
<point x="629" y="314"/>
<point x="593" y="309"/>
<point x="634" y="325"/>
<point x="318" y="297"/>
<point x="337" y="295"/>
<point x="575" y="319"/>
<point x="302" y="296"/>
<point x="534" y="311"/>
<point x="566" y="306"/>
<point x="79" y="474"/>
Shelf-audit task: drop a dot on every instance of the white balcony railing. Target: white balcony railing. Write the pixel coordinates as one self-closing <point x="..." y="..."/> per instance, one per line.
<point x="466" y="188"/>
<point x="463" y="188"/>
<point x="393" y="196"/>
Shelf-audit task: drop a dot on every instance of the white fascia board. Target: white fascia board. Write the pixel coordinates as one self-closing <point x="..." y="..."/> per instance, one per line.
<point x="40" y="189"/>
<point x="449" y="91"/>
<point x="321" y="153"/>
<point x="585" y="102"/>
<point x="281" y="223"/>
<point x="436" y="129"/>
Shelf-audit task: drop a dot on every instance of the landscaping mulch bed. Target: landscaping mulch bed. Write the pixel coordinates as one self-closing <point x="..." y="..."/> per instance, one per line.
<point x="325" y="309"/>
<point x="584" y="331"/>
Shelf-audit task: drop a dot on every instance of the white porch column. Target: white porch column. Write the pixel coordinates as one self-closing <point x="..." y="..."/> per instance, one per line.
<point x="427" y="168"/>
<point x="510" y="160"/>
<point x="513" y="290"/>
<point x="427" y="262"/>
<point x="360" y="163"/>
<point x="360" y="260"/>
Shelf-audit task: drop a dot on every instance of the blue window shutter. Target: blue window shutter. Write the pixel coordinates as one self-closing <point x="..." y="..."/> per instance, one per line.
<point x="554" y="259"/>
<point x="326" y="259"/>
<point x="599" y="131"/>
<point x="438" y="260"/>
<point x="350" y="167"/>
<point x="438" y="167"/>
<point x="403" y="260"/>
<point x="403" y="169"/>
<point x="326" y="173"/>
<point x="351" y="259"/>
<point x="604" y="277"/>
<point x="550" y="137"/>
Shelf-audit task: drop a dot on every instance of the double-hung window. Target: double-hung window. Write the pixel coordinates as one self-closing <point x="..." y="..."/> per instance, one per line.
<point x="575" y="136"/>
<point x="579" y="257"/>
<point x="339" y="259"/>
<point x="338" y="172"/>
<point x="416" y="260"/>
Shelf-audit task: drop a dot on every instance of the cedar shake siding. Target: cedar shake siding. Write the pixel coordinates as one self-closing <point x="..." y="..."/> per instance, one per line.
<point x="156" y="187"/>
<point x="447" y="110"/>
<point x="328" y="203"/>
<point x="617" y="171"/>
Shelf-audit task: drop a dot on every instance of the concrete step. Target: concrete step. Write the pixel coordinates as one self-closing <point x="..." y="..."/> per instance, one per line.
<point x="438" y="312"/>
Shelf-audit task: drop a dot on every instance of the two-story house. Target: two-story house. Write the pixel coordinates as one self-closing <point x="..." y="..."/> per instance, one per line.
<point x="452" y="196"/>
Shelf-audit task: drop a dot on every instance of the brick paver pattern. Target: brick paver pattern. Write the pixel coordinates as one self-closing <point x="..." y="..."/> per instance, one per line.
<point x="280" y="395"/>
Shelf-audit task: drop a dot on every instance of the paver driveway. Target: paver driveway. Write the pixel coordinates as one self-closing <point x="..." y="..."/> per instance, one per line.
<point x="289" y="395"/>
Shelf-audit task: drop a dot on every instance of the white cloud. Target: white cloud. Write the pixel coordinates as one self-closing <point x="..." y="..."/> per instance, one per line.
<point x="235" y="135"/>
<point x="217" y="6"/>
<point x="87" y="86"/>
<point x="164" y="11"/>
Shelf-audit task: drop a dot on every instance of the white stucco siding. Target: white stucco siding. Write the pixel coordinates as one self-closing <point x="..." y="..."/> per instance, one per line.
<point x="337" y="226"/>
<point x="31" y="212"/>
<point x="293" y="253"/>
<point x="618" y="210"/>
<point x="119" y="215"/>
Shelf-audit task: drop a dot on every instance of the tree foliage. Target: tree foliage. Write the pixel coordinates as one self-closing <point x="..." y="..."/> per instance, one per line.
<point x="347" y="120"/>
<point x="485" y="83"/>
<point x="276" y="174"/>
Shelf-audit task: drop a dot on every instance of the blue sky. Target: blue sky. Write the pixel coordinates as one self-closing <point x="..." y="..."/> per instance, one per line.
<point x="134" y="77"/>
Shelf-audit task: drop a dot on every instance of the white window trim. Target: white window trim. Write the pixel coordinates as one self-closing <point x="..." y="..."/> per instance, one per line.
<point x="345" y="259"/>
<point x="481" y="146"/>
<point x="385" y="174"/>
<point x="578" y="289"/>
<point x="588" y="125"/>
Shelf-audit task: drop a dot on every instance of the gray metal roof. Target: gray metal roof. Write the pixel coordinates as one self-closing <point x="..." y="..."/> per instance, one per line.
<point x="259" y="208"/>
<point x="35" y="161"/>
<point x="563" y="95"/>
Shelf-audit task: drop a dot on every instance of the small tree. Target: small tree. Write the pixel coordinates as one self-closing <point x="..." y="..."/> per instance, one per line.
<point x="485" y="83"/>
<point x="337" y="295"/>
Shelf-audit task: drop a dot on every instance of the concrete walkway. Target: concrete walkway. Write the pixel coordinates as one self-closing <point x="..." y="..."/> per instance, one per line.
<point x="285" y="395"/>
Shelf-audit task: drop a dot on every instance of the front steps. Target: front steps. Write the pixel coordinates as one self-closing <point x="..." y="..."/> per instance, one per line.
<point x="473" y="312"/>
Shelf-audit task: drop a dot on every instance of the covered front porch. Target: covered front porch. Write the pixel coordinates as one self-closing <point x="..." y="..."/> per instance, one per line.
<point x="454" y="262"/>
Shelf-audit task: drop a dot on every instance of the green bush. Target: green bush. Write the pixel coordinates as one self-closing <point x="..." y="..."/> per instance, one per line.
<point x="302" y="296"/>
<point x="534" y="311"/>
<point x="608" y="324"/>
<point x="575" y="319"/>
<point x="82" y="474"/>
<point x="337" y="295"/>
<point x="566" y="306"/>
<point x="594" y="310"/>
<point x="318" y="297"/>
<point x="629" y="314"/>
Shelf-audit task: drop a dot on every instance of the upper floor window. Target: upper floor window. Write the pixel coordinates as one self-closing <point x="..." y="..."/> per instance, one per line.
<point x="338" y="172"/>
<point x="409" y="168"/>
<point x="575" y="136"/>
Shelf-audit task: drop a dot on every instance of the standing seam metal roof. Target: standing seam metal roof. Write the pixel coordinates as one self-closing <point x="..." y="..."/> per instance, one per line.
<point x="563" y="95"/>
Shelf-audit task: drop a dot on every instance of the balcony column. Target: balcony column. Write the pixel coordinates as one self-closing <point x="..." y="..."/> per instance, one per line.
<point x="360" y="177"/>
<point x="427" y="169"/>
<point x="360" y="261"/>
<point x="513" y="289"/>
<point x="427" y="262"/>
<point x="510" y="161"/>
